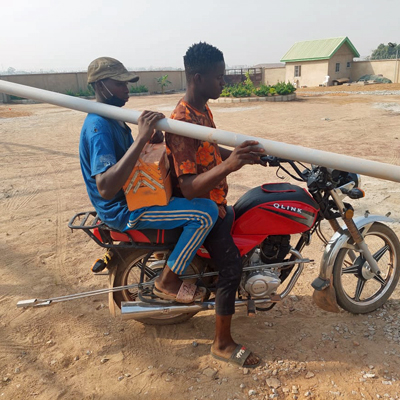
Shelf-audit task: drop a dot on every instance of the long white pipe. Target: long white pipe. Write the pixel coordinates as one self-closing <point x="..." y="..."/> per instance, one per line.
<point x="278" y="149"/>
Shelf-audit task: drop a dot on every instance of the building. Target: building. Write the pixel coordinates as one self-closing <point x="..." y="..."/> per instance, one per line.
<point x="317" y="62"/>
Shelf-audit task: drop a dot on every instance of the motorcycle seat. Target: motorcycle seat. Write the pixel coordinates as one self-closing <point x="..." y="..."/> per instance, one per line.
<point x="154" y="236"/>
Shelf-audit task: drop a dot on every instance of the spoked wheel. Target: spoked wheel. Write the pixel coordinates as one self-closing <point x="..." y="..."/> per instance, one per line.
<point x="128" y="273"/>
<point x="358" y="289"/>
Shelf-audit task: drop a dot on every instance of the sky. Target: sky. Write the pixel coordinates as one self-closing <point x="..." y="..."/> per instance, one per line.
<point x="68" y="35"/>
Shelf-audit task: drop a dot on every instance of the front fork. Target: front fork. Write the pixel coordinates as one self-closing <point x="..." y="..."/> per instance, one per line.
<point x="347" y="216"/>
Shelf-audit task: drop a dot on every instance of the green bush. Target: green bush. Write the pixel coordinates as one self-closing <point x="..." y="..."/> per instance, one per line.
<point x="247" y="88"/>
<point x="248" y="83"/>
<point x="283" y="88"/>
<point x="240" y="90"/>
<point x="138" y="89"/>
<point x="262" y="90"/>
<point x="82" y="93"/>
<point x="226" y="91"/>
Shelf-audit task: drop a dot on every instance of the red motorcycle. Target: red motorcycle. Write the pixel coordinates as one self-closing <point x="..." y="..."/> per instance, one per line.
<point x="359" y="268"/>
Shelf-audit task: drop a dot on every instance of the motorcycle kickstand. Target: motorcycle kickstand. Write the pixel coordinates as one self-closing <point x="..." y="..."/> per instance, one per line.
<point x="251" y="307"/>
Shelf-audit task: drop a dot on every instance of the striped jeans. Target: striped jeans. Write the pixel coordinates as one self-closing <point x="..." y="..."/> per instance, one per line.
<point x="196" y="217"/>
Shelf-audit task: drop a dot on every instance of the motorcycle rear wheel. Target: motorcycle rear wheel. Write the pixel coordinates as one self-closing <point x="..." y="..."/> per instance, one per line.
<point x="357" y="290"/>
<point x="128" y="272"/>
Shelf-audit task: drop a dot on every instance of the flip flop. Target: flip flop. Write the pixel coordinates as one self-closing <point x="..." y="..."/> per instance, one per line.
<point x="238" y="357"/>
<point x="188" y="293"/>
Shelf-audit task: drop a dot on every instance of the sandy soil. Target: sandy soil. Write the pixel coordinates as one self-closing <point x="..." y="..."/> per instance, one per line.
<point x="75" y="350"/>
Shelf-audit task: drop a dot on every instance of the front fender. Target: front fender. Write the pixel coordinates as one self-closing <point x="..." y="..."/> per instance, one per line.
<point x="339" y="239"/>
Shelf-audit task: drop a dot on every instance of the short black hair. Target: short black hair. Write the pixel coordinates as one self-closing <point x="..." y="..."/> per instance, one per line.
<point x="200" y="58"/>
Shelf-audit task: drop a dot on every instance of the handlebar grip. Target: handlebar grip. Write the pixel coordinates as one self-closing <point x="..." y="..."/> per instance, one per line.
<point x="272" y="160"/>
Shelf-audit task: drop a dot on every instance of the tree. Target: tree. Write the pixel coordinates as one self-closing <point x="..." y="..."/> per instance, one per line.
<point x="11" y="71"/>
<point x="163" y="82"/>
<point x="384" y="51"/>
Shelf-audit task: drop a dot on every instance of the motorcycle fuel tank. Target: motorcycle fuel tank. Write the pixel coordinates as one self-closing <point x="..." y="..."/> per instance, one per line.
<point x="275" y="209"/>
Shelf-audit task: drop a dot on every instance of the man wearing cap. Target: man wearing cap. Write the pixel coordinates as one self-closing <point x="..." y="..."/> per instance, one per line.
<point x="108" y="154"/>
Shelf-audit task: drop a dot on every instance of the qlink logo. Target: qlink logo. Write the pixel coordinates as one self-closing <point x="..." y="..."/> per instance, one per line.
<point x="288" y="208"/>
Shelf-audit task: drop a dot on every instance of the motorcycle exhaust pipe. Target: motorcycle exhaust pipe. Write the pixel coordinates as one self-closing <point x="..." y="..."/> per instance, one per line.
<point x="135" y="309"/>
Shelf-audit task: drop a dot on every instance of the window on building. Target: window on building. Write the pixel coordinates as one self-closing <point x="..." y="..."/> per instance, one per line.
<point x="297" y="70"/>
<point x="337" y="68"/>
<point x="348" y="64"/>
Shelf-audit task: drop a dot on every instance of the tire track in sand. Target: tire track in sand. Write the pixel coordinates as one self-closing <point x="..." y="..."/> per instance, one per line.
<point x="60" y="240"/>
<point x="20" y="198"/>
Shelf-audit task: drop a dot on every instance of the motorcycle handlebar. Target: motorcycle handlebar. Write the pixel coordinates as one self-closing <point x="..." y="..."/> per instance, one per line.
<point x="273" y="161"/>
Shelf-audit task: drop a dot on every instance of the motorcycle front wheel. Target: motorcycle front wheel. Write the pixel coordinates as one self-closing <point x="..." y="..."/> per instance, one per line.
<point x="357" y="289"/>
<point x="128" y="267"/>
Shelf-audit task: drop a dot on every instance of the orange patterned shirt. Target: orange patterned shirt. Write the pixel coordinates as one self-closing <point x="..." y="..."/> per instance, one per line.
<point x="194" y="156"/>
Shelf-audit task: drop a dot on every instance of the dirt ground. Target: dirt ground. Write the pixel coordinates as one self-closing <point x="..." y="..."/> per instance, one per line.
<point x="76" y="350"/>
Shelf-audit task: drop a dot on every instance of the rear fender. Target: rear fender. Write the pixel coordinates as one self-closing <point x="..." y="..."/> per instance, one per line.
<point x="338" y="240"/>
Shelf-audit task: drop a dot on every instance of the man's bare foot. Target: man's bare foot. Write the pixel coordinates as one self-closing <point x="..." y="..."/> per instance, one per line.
<point x="168" y="282"/>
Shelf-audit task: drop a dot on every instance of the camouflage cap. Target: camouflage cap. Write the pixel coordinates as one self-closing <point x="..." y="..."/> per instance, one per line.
<point x="107" y="67"/>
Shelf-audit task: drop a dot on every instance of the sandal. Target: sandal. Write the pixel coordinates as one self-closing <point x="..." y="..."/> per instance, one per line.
<point x="188" y="293"/>
<point x="238" y="357"/>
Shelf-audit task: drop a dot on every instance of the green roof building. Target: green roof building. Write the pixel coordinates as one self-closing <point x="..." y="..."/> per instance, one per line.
<point x="320" y="62"/>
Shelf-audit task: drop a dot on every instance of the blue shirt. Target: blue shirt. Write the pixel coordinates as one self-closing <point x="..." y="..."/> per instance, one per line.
<point x="103" y="142"/>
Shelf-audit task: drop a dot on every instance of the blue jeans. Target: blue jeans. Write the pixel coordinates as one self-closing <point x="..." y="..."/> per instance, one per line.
<point x="196" y="217"/>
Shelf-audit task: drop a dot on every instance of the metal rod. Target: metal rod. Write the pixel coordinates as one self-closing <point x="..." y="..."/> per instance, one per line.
<point x="295" y="276"/>
<point x="254" y="268"/>
<point x="47" y="302"/>
<point x="289" y="151"/>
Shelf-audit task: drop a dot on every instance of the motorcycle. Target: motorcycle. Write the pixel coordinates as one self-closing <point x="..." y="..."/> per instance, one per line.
<point x="359" y="268"/>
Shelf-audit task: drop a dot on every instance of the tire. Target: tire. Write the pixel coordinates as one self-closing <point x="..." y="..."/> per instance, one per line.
<point x="357" y="290"/>
<point x="128" y="272"/>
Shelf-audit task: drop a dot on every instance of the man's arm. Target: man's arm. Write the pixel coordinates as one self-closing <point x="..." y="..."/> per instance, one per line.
<point x="111" y="181"/>
<point x="199" y="185"/>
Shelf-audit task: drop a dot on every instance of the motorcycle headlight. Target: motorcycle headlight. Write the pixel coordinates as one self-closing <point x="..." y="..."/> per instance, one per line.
<point x="343" y="177"/>
<point x="356" y="178"/>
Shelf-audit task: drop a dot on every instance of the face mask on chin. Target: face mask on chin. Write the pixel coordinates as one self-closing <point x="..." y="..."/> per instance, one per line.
<point x="112" y="99"/>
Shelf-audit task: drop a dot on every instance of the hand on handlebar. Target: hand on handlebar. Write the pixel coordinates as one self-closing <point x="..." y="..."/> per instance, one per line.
<point x="269" y="160"/>
<point x="247" y="153"/>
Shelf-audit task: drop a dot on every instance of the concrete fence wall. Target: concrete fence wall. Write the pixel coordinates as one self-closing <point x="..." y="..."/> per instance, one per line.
<point x="60" y="83"/>
<point x="271" y="76"/>
<point x="148" y="78"/>
<point x="388" y="68"/>
<point x="76" y="81"/>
